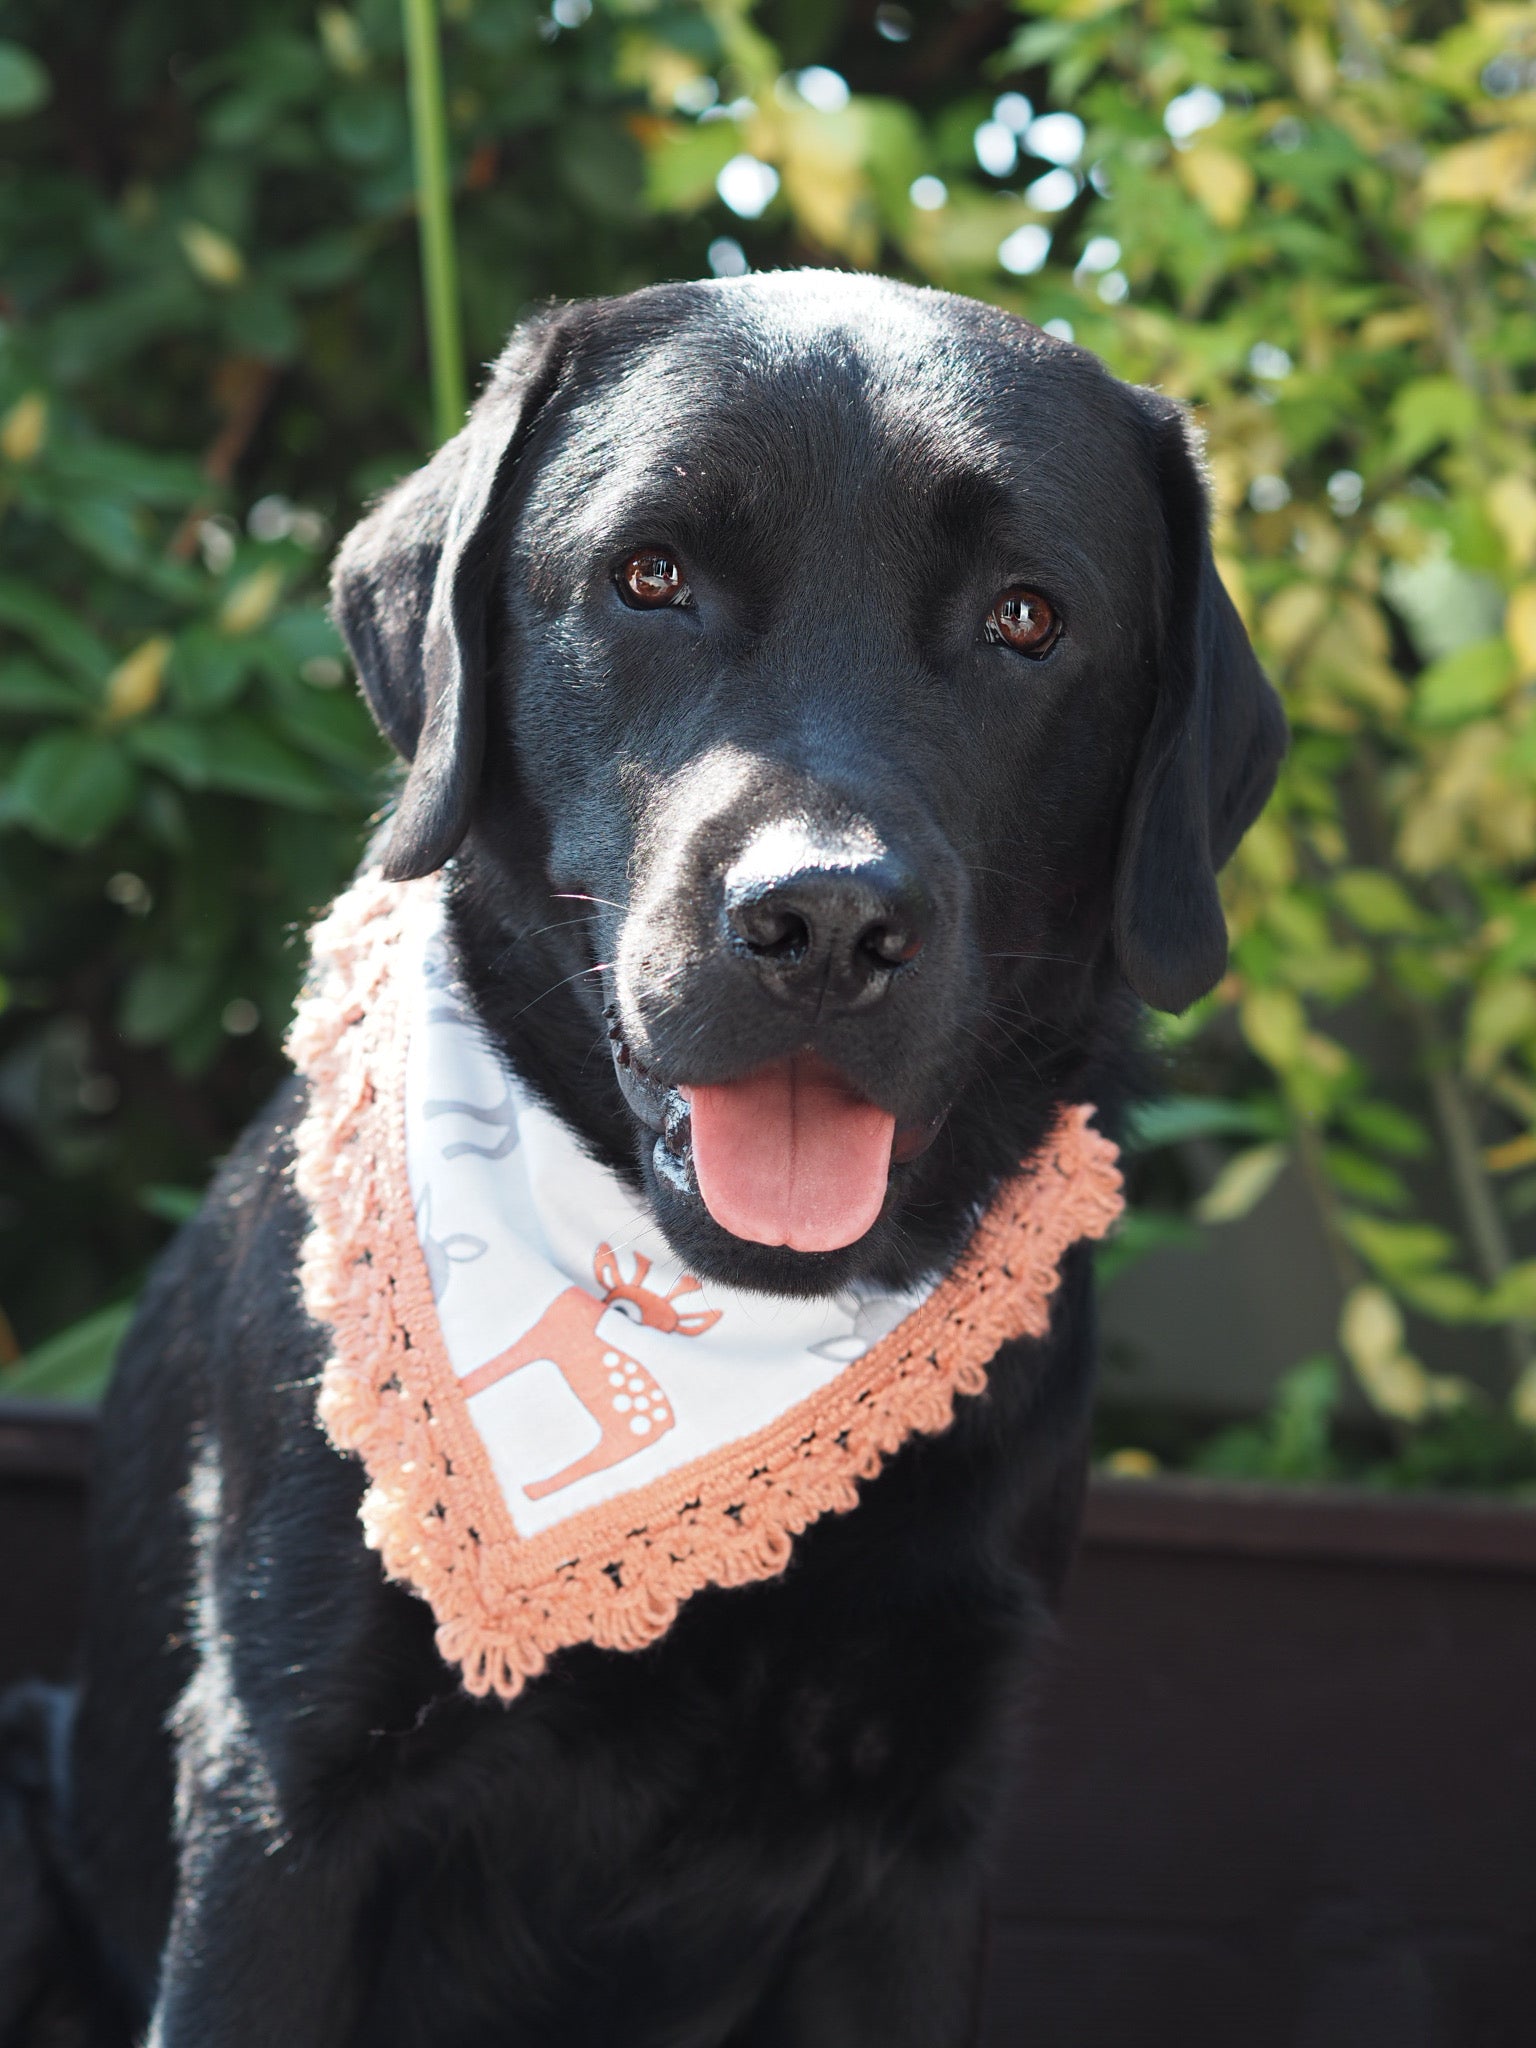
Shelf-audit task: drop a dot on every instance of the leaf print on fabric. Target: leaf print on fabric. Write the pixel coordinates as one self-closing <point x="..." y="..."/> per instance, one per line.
<point x="442" y="1254"/>
<point x="503" y="1113"/>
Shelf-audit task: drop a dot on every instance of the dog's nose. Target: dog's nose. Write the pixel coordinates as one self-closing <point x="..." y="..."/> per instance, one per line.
<point x="828" y="933"/>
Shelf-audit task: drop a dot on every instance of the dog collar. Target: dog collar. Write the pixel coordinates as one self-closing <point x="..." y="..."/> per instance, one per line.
<point x="566" y="1434"/>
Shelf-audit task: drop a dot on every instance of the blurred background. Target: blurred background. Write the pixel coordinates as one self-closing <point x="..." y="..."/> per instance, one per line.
<point x="1315" y="223"/>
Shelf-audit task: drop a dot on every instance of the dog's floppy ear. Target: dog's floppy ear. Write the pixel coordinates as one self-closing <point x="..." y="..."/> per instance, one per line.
<point x="1209" y="759"/>
<point x="410" y="590"/>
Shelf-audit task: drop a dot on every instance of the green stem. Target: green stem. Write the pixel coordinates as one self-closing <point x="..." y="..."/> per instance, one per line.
<point x="1476" y="1198"/>
<point x="1474" y="1190"/>
<point x="1309" y="1157"/>
<point x="439" y="263"/>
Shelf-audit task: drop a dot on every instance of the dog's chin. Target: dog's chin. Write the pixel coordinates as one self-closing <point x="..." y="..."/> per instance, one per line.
<point x="664" y="1145"/>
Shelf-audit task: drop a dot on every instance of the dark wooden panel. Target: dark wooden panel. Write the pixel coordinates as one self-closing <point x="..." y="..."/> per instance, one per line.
<point x="1278" y="1799"/>
<point x="44" y="1466"/>
<point x="1278" y="1791"/>
<point x="1324" y="1522"/>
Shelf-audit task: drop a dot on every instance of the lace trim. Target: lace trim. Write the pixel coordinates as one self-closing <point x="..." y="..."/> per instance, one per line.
<point x="617" y="1574"/>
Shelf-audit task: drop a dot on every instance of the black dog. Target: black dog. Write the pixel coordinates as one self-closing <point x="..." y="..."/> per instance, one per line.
<point x="855" y="656"/>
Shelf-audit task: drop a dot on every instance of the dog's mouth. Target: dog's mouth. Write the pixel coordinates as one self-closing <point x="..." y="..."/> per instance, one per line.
<point x="790" y="1154"/>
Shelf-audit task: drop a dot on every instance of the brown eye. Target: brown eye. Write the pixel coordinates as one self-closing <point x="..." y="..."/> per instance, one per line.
<point x="652" y="578"/>
<point x="1023" y="619"/>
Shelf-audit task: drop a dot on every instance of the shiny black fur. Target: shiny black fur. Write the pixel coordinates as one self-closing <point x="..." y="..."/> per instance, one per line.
<point x="770" y="1828"/>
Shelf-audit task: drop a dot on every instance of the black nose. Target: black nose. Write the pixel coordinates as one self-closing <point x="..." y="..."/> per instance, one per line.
<point x="827" y="934"/>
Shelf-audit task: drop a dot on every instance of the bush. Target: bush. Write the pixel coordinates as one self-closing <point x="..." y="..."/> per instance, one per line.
<point x="1315" y="225"/>
<point x="212" y="356"/>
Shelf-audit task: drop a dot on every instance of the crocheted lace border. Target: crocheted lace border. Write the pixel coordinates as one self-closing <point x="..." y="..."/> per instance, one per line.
<point x="617" y="1574"/>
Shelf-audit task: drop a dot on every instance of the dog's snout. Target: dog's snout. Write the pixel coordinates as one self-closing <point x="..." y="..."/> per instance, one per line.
<point x="828" y="932"/>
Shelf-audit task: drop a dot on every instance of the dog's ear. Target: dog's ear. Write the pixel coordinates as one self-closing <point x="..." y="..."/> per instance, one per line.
<point x="410" y="590"/>
<point x="1210" y="755"/>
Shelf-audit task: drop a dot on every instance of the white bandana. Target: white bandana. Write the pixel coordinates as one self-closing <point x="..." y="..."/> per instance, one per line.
<point x="566" y="1434"/>
<point x="592" y="1362"/>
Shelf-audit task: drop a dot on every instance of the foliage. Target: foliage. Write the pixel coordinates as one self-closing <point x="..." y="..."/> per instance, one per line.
<point x="1293" y="1441"/>
<point x="1307" y="1436"/>
<point x="211" y="355"/>
<point x="1315" y="223"/>
<point x="1326" y="218"/>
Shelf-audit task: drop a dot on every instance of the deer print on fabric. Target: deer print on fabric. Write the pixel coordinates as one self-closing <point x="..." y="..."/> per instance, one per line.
<point x="623" y="1399"/>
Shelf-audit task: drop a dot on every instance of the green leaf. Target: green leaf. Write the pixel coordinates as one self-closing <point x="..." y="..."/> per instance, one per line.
<point x="239" y="119"/>
<point x="171" y="1204"/>
<point x="73" y="1366"/>
<point x="1139" y="1232"/>
<point x="1038" y="44"/>
<point x="176" y="746"/>
<point x="1377" y="902"/>
<point x="681" y="168"/>
<point x="27" y="688"/>
<point x="54" y="628"/>
<point x="1384" y="1125"/>
<point x="208" y="668"/>
<point x="1501" y="1014"/>
<point x="237" y="754"/>
<point x="1462" y="685"/>
<point x="319" y="264"/>
<point x="1428" y="411"/>
<point x="120" y="469"/>
<point x="195" y="1047"/>
<point x="334" y="725"/>
<point x="258" y="318"/>
<point x="161" y="997"/>
<point x="91" y="335"/>
<point x="1178" y="1118"/>
<point x="24" y="82"/>
<point x="1449" y="1297"/>
<point x="71" y="787"/>
<point x="305" y="632"/>
<point x="1241" y="1452"/>
<point x="1275" y="1025"/>
<point x="1397" y="1249"/>
<point x="1519" y="948"/>
<point x="245" y="758"/>
<point x="599" y="166"/>
<point x="893" y="151"/>
<point x="365" y="124"/>
<point x="1512" y="1298"/>
<point x="1301" y="1420"/>
<point x="1242" y="1183"/>
<point x="1293" y="1440"/>
<point x="105" y="529"/>
<point x="1363" y="1178"/>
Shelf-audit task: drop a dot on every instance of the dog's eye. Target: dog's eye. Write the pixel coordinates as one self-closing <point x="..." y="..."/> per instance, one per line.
<point x="1024" y="620"/>
<point x="652" y="578"/>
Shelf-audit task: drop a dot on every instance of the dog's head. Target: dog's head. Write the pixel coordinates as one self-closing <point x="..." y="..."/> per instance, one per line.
<point x="826" y="695"/>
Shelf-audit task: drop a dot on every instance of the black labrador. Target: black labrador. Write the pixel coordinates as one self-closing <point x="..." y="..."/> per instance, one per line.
<point x="804" y="667"/>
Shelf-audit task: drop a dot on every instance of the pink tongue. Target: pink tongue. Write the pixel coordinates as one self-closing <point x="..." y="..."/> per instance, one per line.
<point x="791" y="1155"/>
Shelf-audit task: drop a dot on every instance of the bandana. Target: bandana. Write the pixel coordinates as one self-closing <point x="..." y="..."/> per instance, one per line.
<point x="566" y="1434"/>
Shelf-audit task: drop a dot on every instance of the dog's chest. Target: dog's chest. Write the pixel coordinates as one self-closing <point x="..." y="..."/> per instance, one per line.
<point x="660" y="1817"/>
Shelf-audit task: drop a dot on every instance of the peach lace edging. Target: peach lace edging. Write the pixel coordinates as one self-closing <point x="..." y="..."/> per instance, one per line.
<point x="613" y="1575"/>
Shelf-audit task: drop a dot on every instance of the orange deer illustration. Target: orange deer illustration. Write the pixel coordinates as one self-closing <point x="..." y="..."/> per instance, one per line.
<point x="617" y="1391"/>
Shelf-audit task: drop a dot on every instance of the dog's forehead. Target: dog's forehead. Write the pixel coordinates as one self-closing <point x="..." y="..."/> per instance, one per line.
<point x="782" y="382"/>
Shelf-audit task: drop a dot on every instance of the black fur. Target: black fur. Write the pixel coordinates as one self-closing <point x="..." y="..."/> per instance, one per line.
<point x="770" y="1828"/>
